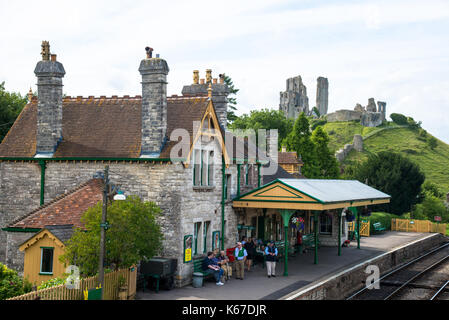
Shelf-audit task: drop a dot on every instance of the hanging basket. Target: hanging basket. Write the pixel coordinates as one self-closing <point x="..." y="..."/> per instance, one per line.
<point x="366" y="212"/>
<point x="350" y="217"/>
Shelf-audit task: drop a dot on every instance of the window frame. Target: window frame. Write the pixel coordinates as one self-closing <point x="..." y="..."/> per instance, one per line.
<point x="52" y="261"/>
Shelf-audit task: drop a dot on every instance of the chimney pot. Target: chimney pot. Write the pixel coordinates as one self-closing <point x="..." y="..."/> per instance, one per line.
<point x="202" y="81"/>
<point x="53" y="57"/>
<point x="284" y="149"/>
<point x="215" y="81"/>
<point x="208" y="76"/>
<point x="196" y="76"/>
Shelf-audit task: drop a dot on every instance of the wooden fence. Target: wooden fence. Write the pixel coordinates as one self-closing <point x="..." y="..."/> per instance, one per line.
<point x="111" y="280"/>
<point x="364" y="228"/>
<point x="410" y="225"/>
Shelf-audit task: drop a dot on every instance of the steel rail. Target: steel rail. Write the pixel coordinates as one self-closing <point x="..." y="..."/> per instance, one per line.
<point x="440" y="290"/>
<point x="416" y="276"/>
<point x="396" y="270"/>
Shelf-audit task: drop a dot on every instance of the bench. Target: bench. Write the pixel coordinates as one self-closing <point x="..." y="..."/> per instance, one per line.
<point x="308" y="241"/>
<point x="198" y="267"/>
<point x="378" y="227"/>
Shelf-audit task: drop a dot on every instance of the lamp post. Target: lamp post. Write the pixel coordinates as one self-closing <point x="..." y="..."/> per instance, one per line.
<point x="104" y="227"/>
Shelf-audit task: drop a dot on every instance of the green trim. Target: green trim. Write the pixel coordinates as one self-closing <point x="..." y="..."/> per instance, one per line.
<point x="238" y="179"/>
<point x="52" y="260"/>
<point x="223" y="178"/>
<point x="23" y="230"/>
<point x="43" y="165"/>
<point x="259" y="175"/>
<point x="45" y="274"/>
<point x="257" y="200"/>
<point x="184" y="252"/>
<point x="52" y="248"/>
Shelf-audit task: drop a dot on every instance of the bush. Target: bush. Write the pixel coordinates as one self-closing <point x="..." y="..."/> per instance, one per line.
<point x="382" y="217"/>
<point x="399" y="119"/>
<point x="51" y="283"/>
<point x="11" y="285"/>
<point x="432" y="143"/>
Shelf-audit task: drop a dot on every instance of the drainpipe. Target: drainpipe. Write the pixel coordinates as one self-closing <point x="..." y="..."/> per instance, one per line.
<point x="258" y="175"/>
<point x="238" y="179"/>
<point x="43" y="165"/>
<point x="223" y="175"/>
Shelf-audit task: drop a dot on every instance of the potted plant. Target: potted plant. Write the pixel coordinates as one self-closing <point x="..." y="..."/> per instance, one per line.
<point x="366" y="212"/>
<point x="349" y="216"/>
<point x="122" y="288"/>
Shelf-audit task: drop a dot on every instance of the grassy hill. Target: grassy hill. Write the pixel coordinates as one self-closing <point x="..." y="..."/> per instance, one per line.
<point x="391" y="137"/>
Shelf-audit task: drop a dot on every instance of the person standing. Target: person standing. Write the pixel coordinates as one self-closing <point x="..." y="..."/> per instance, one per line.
<point x="240" y="257"/>
<point x="251" y="250"/>
<point x="271" y="253"/>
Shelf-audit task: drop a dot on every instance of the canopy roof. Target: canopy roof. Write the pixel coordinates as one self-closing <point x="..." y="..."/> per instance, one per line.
<point x="311" y="194"/>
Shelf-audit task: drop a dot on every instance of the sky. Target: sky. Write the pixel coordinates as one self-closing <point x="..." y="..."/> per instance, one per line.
<point x="393" y="51"/>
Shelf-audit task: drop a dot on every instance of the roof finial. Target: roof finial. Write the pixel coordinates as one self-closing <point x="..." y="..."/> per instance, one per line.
<point x="45" y="51"/>
<point x="30" y="95"/>
<point x="209" y="91"/>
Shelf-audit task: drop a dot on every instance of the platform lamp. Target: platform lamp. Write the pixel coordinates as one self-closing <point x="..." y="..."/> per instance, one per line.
<point x="120" y="196"/>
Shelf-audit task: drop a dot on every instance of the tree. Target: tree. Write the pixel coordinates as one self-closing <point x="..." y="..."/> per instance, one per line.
<point x="300" y="140"/>
<point x="395" y="175"/>
<point x="265" y="119"/>
<point x="430" y="207"/>
<point x="325" y="160"/>
<point x="232" y="100"/>
<point x="399" y="119"/>
<point x="11" y="104"/>
<point x="432" y="143"/>
<point x="134" y="235"/>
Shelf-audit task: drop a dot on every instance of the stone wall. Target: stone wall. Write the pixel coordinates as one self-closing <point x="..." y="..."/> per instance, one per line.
<point x="344" y="152"/>
<point x="344" y="115"/>
<point x="169" y="185"/>
<point x="294" y="100"/>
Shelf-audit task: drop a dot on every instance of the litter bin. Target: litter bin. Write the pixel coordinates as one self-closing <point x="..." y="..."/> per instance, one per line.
<point x="197" y="280"/>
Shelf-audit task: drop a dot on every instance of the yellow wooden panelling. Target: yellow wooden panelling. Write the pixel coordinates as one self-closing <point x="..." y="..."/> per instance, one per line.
<point x="110" y="288"/>
<point x="406" y="225"/>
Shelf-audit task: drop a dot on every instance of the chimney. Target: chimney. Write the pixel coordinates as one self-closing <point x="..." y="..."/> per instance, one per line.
<point x="284" y="149"/>
<point x="220" y="92"/>
<point x="154" y="73"/>
<point x="49" y="75"/>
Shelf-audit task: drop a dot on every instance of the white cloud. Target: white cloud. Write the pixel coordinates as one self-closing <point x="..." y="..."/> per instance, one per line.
<point x="364" y="48"/>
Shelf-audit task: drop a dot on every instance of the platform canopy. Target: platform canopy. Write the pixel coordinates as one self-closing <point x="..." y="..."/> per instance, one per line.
<point x="311" y="194"/>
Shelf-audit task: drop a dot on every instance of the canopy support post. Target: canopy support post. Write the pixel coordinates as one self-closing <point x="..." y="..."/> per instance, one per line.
<point x="286" y="215"/>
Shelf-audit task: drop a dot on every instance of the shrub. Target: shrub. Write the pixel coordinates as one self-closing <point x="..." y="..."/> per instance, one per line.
<point x="432" y="143"/>
<point x="399" y="119"/>
<point x="11" y="285"/>
<point x="51" y="283"/>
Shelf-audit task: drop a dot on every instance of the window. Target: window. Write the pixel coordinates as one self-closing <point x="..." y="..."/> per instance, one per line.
<point x="210" y="174"/>
<point x="227" y="186"/>
<point x="196" y="167"/>
<point x="196" y="231"/>
<point x="203" y="168"/>
<point x="206" y="236"/>
<point x="46" y="260"/>
<point x="325" y="224"/>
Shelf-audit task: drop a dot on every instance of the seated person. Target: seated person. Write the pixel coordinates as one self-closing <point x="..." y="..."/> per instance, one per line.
<point x="223" y="261"/>
<point x="210" y="266"/>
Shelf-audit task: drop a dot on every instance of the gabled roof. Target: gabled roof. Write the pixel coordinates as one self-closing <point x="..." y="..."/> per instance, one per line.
<point x="100" y="127"/>
<point x="311" y="194"/>
<point x="59" y="234"/>
<point x="67" y="209"/>
<point x="288" y="158"/>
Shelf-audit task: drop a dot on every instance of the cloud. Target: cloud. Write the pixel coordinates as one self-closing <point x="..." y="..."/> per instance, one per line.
<point x="390" y="50"/>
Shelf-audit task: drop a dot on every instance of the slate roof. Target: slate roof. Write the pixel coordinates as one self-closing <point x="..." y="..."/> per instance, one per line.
<point x="66" y="209"/>
<point x="63" y="233"/>
<point x="328" y="191"/>
<point x="101" y="127"/>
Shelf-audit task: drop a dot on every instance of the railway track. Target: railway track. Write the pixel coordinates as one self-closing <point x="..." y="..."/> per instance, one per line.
<point x="423" y="278"/>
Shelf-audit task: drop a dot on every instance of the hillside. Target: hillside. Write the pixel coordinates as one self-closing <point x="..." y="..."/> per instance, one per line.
<point x="391" y="137"/>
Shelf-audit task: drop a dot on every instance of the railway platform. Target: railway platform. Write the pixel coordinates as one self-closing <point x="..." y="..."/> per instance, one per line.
<point x="302" y="274"/>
